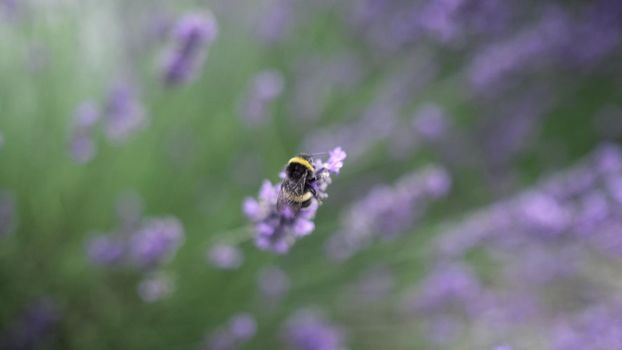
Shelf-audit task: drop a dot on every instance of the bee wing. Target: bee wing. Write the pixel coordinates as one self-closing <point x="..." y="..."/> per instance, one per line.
<point x="290" y="190"/>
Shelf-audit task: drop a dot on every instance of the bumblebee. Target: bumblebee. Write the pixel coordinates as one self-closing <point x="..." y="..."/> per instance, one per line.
<point x="297" y="190"/>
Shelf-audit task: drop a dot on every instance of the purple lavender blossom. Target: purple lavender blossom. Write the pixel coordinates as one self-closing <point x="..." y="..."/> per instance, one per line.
<point x="307" y="330"/>
<point x="387" y="212"/>
<point x="239" y="330"/>
<point x="273" y="283"/>
<point x="155" y="241"/>
<point x="265" y="87"/>
<point x="275" y="21"/>
<point x="81" y="145"/>
<point x="335" y="160"/>
<point x="445" y="287"/>
<point x="502" y="347"/>
<point x="596" y="327"/>
<point x="560" y="237"/>
<point x="124" y="113"/>
<point x="277" y="231"/>
<point x="106" y="250"/>
<point x="32" y="327"/>
<point x="225" y="256"/>
<point x="243" y="326"/>
<point x="155" y="287"/>
<point x="191" y="36"/>
<point x="9" y="8"/>
<point x="8" y="217"/>
<point x="430" y="122"/>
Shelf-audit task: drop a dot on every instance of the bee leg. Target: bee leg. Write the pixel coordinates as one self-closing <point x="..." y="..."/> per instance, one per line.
<point x="312" y="190"/>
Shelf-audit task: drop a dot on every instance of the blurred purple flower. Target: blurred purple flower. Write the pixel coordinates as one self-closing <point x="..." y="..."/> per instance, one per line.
<point x="243" y="326"/>
<point x="191" y="36"/>
<point x="9" y="8"/>
<point x="541" y="213"/>
<point x="307" y="330"/>
<point x="225" y="256"/>
<point x="81" y="146"/>
<point x="265" y="87"/>
<point x="386" y="212"/>
<point x="86" y="115"/>
<point x="32" y="327"/>
<point x="8" y="216"/>
<point x="277" y="231"/>
<point x="446" y="287"/>
<point x="124" y="113"/>
<point x="155" y="241"/>
<point x="559" y="238"/>
<point x="502" y="347"/>
<point x="106" y="250"/>
<point x="155" y="287"/>
<point x="273" y="283"/>
<point x="275" y="21"/>
<point x="239" y="330"/>
<point x="596" y="327"/>
<point x="430" y="122"/>
<point x="536" y="45"/>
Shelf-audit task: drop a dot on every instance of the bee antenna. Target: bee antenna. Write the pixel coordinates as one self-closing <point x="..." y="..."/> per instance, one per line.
<point x="315" y="154"/>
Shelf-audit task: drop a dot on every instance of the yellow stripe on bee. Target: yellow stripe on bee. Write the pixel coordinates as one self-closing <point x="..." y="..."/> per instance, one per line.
<point x="301" y="161"/>
<point x="302" y="198"/>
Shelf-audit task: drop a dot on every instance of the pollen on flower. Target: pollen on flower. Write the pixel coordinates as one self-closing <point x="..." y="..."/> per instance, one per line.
<point x="277" y="230"/>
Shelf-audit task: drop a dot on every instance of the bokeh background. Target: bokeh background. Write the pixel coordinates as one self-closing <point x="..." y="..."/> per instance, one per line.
<point x="479" y="207"/>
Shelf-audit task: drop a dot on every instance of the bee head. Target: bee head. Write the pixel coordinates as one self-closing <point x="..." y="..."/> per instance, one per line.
<point x="298" y="166"/>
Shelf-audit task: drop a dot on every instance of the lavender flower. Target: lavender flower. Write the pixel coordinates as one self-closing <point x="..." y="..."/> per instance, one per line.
<point x="191" y="36"/>
<point x="430" y="122"/>
<point x="106" y="250"/>
<point x="9" y="8"/>
<point x="155" y="241"/>
<point x="32" y="327"/>
<point x="560" y="237"/>
<point x="8" y="221"/>
<point x="155" y="287"/>
<point x="307" y="330"/>
<point x="239" y="330"/>
<point x="134" y="244"/>
<point x="502" y="347"/>
<point x="275" y="21"/>
<point x="277" y="231"/>
<point x="265" y="87"/>
<point x="387" y="212"/>
<point x="273" y="283"/>
<point x="225" y="256"/>
<point x="124" y="113"/>
<point x="595" y="327"/>
<point x="81" y="146"/>
<point x="243" y="326"/>
<point x="445" y="287"/>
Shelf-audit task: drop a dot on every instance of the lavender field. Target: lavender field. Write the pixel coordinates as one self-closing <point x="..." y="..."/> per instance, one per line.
<point x="461" y="165"/>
